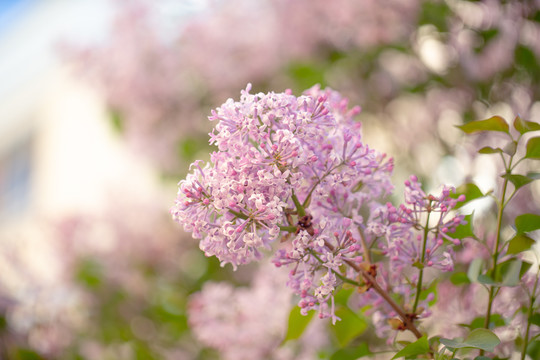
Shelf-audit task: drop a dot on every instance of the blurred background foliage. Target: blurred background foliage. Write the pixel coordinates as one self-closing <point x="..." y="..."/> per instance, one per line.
<point x="417" y="68"/>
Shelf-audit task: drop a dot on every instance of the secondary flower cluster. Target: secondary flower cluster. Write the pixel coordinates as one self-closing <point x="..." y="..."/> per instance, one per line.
<point x="296" y="169"/>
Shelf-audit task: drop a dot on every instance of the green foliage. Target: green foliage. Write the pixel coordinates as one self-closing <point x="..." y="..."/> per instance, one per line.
<point x="533" y="148"/>
<point x="482" y="339"/>
<point x="519" y="243"/>
<point x="471" y="192"/>
<point x="465" y="230"/>
<point x="419" y="347"/>
<point x="518" y="180"/>
<point x="495" y="123"/>
<point x="297" y="323"/>
<point x="524" y="126"/>
<point x="349" y="327"/>
<point x="495" y="320"/>
<point x="351" y="353"/>
<point x="527" y="222"/>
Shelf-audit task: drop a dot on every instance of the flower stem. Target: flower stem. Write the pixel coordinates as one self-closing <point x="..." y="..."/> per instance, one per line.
<point x="530" y="313"/>
<point x="422" y="259"/>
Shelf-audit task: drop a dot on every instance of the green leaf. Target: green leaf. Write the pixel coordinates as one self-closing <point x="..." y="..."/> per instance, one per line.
<point x="495" y="123"/>
<point x="508" y="272"/>
<point x="351" y="353"/>
<point x="517" y="180"/>
<point x="464" y="230"/>
<point x="482" y="358"/>
<point x="533" y="148"/>
<point x="459" y="278"/>
<point x="527" y="222"/>
<point x="471" y="192"/>
<point x="297" y="324"/>
<point x="490" y="150"/>
<point x="519" y="243"/>
<point x="485" y="279"/>
<point x="533" y="175"/>
<point x="341" y="297"/>
<point x="524" y="126"/>
<point x="474" y="269"/>
<point x="478" y="338"/>
<point x="419" y="347"/>
<point x="349" y="327"/>
<point x="535" y="319"/>
<point x="495" y="320"/>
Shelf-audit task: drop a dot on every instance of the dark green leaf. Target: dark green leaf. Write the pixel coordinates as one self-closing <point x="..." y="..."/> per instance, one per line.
<point x="495" y="320"/>
<point x="535" y="319"/>
<point x="419" y="347"/>
<point x="490" y="150"/>
<point x="524" y="126"/>
<point x="517" y="180"/>
<point x="460" y="278"/>
<point x="482" y="358"/>
<point x="495" y="123"/>
<point x="478" y="338"/>
<point x="527" y="222"/>
<point x="297" y="323"/>
<point x="351" y="353"/>
<point x="519" y="243"/>
<point x="471" y="192"/>
<point x="350" y="326"/>
<point x="533" y="148"/>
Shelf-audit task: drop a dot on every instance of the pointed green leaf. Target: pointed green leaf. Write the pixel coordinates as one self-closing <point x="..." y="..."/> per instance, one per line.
<point x="350" y="326"/>
<point x="524" y="126"/>
<point x="297" y="323"/>
<point x="495" y="123"/>
<point x="471" y="192"/>
<point x="478" y="338"/>
<point x="486" y="279"/>
<point x="527" y="222"/>
<point x="351" y="353"/>
<point x="419" y="347"/>
<point x="489" y="150"/>
<point x="533" y="148"/>
<point x="517" y="180"/>
<point x="519" y="243"/>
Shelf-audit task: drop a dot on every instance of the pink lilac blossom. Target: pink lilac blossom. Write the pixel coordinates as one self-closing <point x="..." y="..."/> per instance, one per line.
<point x="281" y="156"/>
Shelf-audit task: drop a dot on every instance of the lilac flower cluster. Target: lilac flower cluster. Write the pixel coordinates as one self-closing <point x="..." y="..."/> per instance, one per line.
<point x="296" y="169"/>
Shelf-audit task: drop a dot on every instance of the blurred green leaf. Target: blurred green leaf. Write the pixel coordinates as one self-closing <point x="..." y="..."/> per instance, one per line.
<point x="419" y="347"/>
<point x="490" y="150"/>
<point x="89" y="273"/>
<point x="535" y="319"/>
<point x="519" y="243"/>
<point x="527" y="222"/>
<point x="471" y="192"/>
<point x="297" y="323"/>
<point x="436" y="14"/>
<point x="495" y="123"/>
<point x="478" y="338"/>
<point x="518" y="180"/>
<point x="459" y="278"/>
<point x="351" y="353"/>
<point x="117" y="120"/>
<point x="495" y="320"/>
<point x="464" y="230"/>
<point x="524" y="126"/>
<point x="349" y="327"/>
<point x="533" y="149"/>
<point x="508" y="272"/>
<point x="474" y="269"/>
<point x="27" y="354"/>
